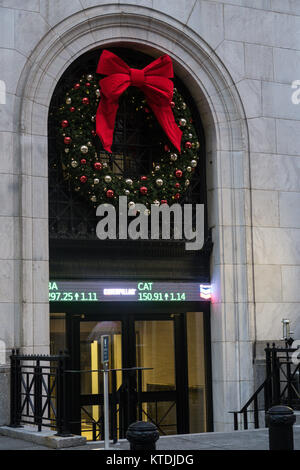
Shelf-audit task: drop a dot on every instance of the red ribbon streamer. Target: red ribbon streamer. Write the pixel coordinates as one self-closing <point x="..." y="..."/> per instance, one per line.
<point x="154" y="82"/>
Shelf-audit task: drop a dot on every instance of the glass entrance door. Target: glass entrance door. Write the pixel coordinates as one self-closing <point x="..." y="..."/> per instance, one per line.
<point x="155" y="349"/>
<point x="171" y="348"/>
<point x="91" y="379"/>
<point x="135" y="341"/>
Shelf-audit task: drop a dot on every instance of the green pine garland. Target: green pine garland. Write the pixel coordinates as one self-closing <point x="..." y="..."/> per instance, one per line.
<point x="92" y="174"/>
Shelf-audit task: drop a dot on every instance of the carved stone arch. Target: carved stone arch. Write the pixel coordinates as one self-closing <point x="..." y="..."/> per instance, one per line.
<point x="223" y="118"/>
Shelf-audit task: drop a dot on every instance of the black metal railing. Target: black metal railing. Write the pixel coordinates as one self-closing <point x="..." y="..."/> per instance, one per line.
<point x="39" y="391"/>
<point x="42" y="396"/>
<point x="281" y="387"/>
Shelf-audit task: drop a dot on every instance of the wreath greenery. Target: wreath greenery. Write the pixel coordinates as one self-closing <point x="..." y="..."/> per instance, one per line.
<point x="97" y="175"/>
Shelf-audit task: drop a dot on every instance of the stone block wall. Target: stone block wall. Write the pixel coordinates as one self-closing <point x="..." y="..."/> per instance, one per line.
<point x="253" y="174"/>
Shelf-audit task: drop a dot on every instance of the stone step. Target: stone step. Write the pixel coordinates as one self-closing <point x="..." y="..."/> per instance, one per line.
<point x="44" y="438"/>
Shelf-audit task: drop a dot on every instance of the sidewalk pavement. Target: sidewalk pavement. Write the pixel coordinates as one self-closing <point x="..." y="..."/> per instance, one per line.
<point x="256" y="439"/>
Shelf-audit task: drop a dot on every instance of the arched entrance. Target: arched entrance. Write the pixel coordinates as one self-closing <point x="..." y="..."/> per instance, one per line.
<point x="161" y="329"/>
<point x="228" y="179"/>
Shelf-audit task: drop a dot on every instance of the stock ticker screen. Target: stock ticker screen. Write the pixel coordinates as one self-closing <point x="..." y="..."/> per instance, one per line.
<point x="132" y="291"/>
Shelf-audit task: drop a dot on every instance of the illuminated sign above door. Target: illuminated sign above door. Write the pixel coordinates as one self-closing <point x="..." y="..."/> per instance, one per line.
<point x="105" y="291"/>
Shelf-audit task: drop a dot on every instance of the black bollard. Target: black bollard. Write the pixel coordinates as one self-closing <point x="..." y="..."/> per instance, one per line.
<point x="142" y="435"/>
<point x="280" y="420"/>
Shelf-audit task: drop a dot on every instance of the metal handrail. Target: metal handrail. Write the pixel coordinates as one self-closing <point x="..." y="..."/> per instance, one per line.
<point x="244" y="410"/>
<point x="271" y="385"/>
<point x="109" y="370"/>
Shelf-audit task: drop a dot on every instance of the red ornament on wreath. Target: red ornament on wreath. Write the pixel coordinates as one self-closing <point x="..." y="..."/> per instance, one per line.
<point x="164" y="201"/>
<point x="67" y="140"/>
<point x="85" y="101"/>
<point x="177" y="185"/>
<point x="188" y="145"/>
<point x="72" y="109"/>
<point x="83" y="161"/>
<point x="144" y="178"/>
<point x="177" y="196"/>
<point x="110" y="193"/>
<point x="83" y="179"/>
<point x="143" y="190"/>
<point x="87" y="84"/>
<point x="178" y="173"/>
<point x="76" y="86"/>
<point x="64" y="123"/>
<point x="98" y="166"/>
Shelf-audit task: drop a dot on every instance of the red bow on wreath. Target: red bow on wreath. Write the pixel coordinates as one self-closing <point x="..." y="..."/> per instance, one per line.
<point x="154" y="82"/>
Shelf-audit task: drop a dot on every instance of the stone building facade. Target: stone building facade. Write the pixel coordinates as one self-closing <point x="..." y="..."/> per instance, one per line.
<point x="238" y="58"/>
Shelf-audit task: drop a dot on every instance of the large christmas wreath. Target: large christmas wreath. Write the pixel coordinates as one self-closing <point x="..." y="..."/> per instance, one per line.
<point x="98" y="175"/>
